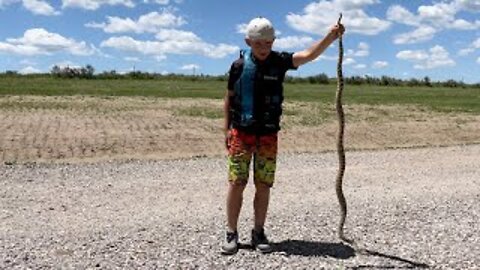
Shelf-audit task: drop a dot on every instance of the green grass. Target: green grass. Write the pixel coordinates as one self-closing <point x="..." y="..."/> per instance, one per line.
<point x="438" y="99"/>
<point x="317" y="115"/>
<point x="25" y="105"/>
<point x="45" y="86"/>
<point x="198" y="111"/>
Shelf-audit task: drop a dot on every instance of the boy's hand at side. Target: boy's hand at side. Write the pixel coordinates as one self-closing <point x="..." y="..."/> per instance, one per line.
<point x="228" y="135"/>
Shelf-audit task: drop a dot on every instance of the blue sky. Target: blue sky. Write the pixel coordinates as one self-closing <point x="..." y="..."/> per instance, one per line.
<point x="403" y="39"/>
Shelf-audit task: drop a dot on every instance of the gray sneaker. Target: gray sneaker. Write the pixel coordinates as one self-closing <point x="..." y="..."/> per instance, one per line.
<point x="260" y="241"/>
<point x="230" y="246"/>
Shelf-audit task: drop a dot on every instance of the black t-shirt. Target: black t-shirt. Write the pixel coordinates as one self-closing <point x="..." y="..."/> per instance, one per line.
<point x="281" y="62"/>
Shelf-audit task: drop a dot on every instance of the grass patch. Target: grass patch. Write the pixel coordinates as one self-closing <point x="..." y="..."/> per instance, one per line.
<point x="21" y="105"/>
<point x="438" y="99"/>
<point x="290" y="112"/>
<point x="198" y="111"/>
<point x="319" y="114"/>
<point x="69" y="103"/>
<point x="430" y="98"/>
<point x="307" y="113"/>
<point x="45" y="86"/>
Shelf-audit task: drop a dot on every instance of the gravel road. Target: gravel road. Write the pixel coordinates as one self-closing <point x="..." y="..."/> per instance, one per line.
<point x="412" y="208"/>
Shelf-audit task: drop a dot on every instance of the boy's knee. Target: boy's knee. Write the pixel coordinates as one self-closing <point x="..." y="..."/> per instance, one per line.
<point x="238" y="184"/>
<point x="263" y="185"/>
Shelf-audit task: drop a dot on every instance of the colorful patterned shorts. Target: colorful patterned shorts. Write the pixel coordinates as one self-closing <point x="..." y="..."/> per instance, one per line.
<point x="241" y="147"/>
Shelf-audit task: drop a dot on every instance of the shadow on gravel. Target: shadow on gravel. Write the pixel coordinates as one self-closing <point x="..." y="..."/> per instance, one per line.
<point x="314" y="249"/>
<point x="341" y="251"/>
<point x="409" y="263"/>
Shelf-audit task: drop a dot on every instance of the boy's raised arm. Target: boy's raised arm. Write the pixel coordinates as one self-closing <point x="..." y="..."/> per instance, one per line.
<point x="305" y="56"/>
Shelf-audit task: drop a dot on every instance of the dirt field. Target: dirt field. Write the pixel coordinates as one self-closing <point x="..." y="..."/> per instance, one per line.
<point x="69" y="129"/>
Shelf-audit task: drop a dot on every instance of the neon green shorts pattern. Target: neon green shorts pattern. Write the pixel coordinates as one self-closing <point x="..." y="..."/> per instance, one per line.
<point x="242" y="147"/>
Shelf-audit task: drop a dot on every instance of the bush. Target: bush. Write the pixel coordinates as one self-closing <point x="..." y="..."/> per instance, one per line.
<point x="86" y="72"/>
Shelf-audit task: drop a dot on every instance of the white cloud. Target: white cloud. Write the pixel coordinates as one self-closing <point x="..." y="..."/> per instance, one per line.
<point x="95" y="4"/>
<point x="29" y="70"/>
<point x="476" y="43"/>
<point x="360" y="66"/>
<point x="40" y="7"/>
<point x="293" y="42"/>
<point x="419" y="55"/>
<point x="436" y="57"/>
<point x="431" y="19"/>
<point x="363" y="50"/>
<point x="471" y="48"/>
<point x="190" y="67"/>
<point x="468" y="5"/>
<point x="461" y="24"/>
<point x="19" y="49"/>
<point x="422" y="33"/>
<point x="162" y="2"/>
<point x="318" y="17"/>
<point x="131" y="59"/>
<point x="171" y="42"/>
<point x="379" y="64"/>
<point x="349" y="61"/>
<point x="37" y="7"/>
<point x="400" y="14"/>
<point x="64" y="64"/>
<point x="438" y="14"/>
<point x="177" y="35"/>
<point x="439" y="57"/>
<point x="160" y="58"/>
<point x="39" y="41"/>
<point x="43" y="7"/>
<point x="354" y="4"/>
<point x="478" y="60"/>
<point x="363" y="46"/>
<point x="327" y="57"/>
<point x="466" y="51"/>
<point x="242" y="28"/>
<point x="4" y="3"/>
<point x="151" y="22"/>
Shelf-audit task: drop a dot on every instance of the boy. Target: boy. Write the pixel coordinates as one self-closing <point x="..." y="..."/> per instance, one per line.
<point x="253" y="106"/>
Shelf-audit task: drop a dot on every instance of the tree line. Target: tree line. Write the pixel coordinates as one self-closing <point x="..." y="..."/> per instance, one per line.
<point x="380" y="81"/>
<point x="88" y="72"/>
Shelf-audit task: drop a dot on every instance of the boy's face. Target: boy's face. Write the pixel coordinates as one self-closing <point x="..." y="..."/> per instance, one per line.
<point x="261" y="48"/>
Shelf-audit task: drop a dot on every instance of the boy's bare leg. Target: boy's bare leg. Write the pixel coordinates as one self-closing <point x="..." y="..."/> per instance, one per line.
<point x="234" y="204"/>
<point x="260" y="204"/>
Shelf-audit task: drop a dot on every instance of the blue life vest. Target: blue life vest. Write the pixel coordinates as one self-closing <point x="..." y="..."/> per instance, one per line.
<point x="244" y="88"/>
<point x="261" y="111"/>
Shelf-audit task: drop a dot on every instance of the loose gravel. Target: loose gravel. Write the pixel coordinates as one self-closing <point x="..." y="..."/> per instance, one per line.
<point x="408" y="209"/>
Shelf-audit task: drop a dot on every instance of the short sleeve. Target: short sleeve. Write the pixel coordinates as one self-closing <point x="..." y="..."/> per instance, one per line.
<point x="287" y="60"/>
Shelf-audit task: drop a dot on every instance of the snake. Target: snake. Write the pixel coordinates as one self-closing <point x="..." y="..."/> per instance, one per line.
<point x="340" y="135"/>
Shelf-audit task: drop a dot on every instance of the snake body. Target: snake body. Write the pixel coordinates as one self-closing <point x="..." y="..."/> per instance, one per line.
<point x="340" y="147"/>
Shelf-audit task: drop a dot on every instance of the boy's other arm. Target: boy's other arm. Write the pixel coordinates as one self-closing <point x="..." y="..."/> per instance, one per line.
<point x="226" y="110"/>
<point x="305" y="56"/>
<point x="227" y="116"/>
